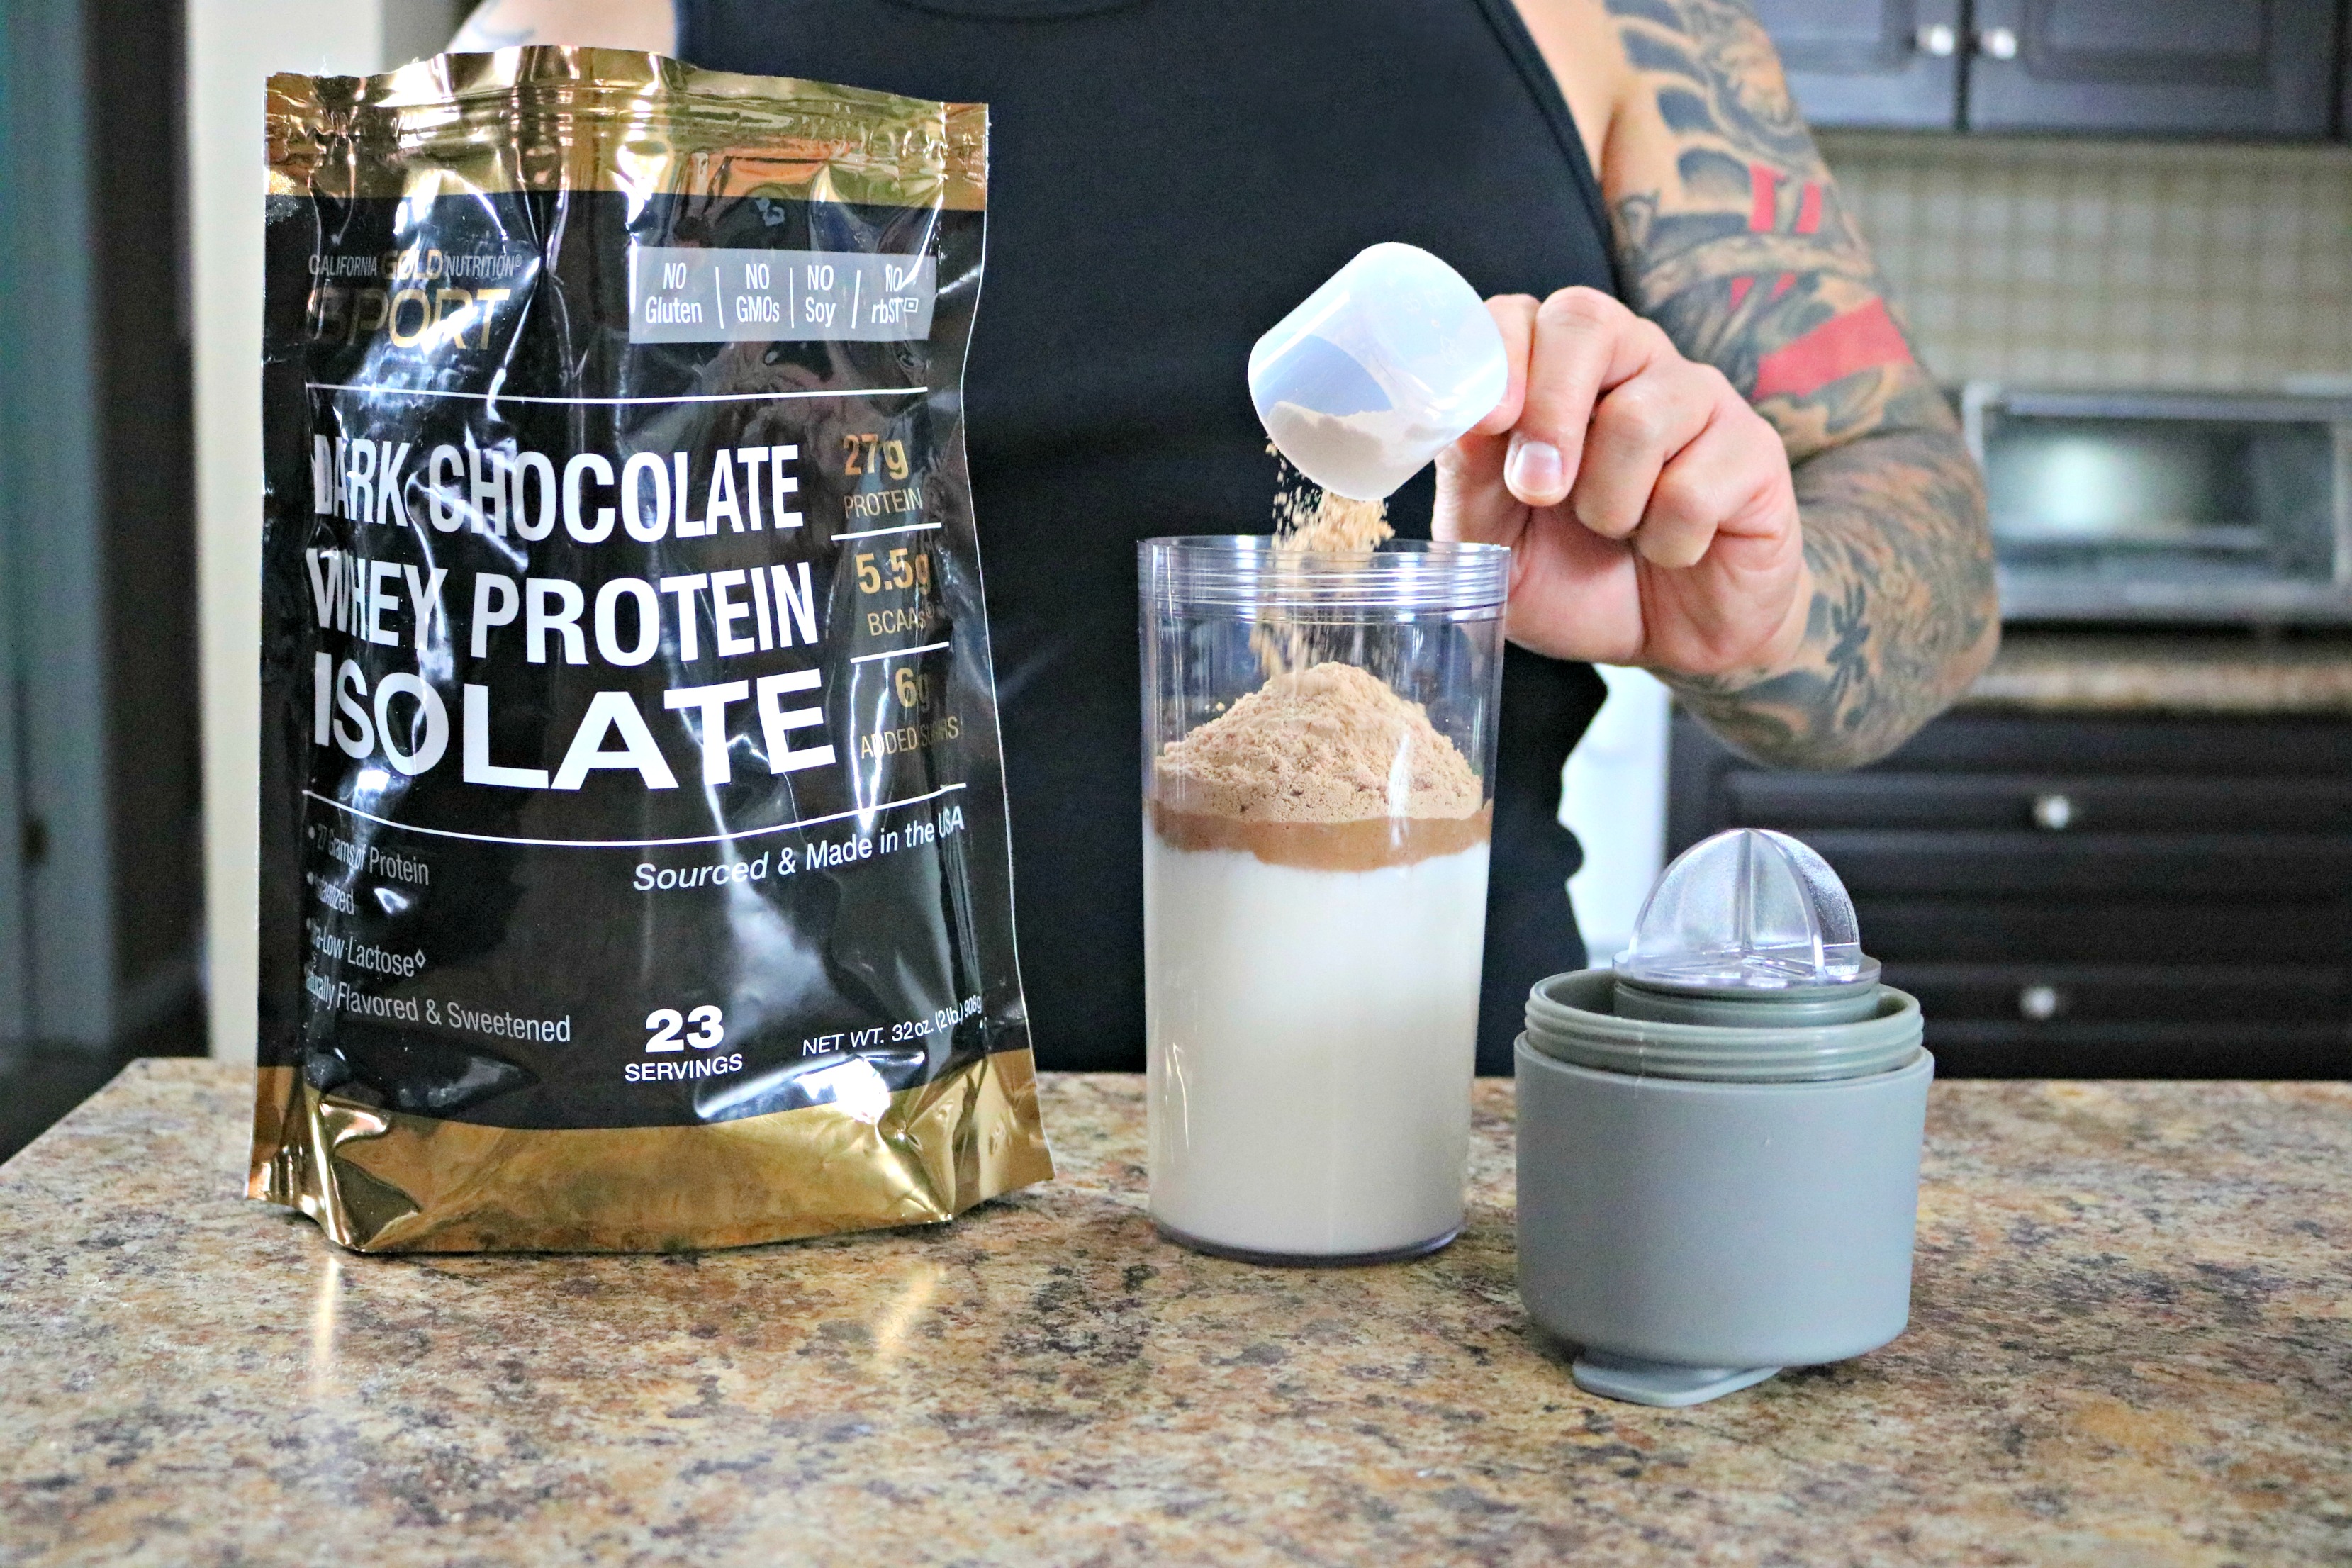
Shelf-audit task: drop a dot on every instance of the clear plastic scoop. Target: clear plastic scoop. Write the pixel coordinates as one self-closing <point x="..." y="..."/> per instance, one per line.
<point x="1377" y="371"/>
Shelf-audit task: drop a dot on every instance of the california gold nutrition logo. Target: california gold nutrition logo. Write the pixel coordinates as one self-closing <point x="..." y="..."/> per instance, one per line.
<point x="419" y="298"/>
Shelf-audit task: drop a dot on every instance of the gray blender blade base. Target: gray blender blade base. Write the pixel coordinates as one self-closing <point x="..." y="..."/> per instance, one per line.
<point x="1660" y="1382"/>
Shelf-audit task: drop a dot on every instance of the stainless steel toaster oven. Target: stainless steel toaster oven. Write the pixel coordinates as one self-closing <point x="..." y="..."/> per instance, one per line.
<point x="2163" y="506"/>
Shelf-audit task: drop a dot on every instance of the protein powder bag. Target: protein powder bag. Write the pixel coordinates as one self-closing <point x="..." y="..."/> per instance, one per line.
<point x="633" y="863"/>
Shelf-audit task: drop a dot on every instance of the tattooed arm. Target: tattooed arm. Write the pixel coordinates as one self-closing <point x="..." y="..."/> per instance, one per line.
<point x="1752" y="487"/>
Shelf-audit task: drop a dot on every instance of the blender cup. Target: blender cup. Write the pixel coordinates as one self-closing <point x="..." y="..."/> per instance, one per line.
<point x="1718" y="1140"/>
<point x="1377" y="371"/>
<point x="1319" y="737"/>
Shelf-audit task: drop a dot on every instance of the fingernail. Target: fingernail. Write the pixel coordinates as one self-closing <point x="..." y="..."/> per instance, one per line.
<point x="1533" y="470"/>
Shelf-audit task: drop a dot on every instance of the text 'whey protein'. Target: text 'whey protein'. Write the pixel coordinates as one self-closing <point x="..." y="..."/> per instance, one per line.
<point x="633" y="863"/>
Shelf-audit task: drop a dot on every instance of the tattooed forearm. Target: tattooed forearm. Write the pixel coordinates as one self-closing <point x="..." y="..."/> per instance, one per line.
<point x="1903" y="615"/>
<point x="1736" y="243"/>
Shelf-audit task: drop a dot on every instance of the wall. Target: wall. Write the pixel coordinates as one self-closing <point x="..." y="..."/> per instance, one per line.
<point x="233" y="46"/>
<point x="98" y="747"/>
<point x="139" y="338"/>
<point x="57" y="924"/>
<point x="2092" y="263"/>
<point x="1614" y="798"/>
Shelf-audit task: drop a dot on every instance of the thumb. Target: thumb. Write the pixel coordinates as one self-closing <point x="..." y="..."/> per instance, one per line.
<point x="1474" y="505"/>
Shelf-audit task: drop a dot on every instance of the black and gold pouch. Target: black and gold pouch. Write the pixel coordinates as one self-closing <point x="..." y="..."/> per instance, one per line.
<point x="634" y="864"/>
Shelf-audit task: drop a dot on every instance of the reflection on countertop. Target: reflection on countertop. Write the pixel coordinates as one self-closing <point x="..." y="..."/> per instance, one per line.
<point x="2177" y="673"/>
<point x="2130" y="1343"/>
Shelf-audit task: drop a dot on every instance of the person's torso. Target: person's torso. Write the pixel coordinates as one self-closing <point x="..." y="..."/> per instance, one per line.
<point x="1166" y="178"/>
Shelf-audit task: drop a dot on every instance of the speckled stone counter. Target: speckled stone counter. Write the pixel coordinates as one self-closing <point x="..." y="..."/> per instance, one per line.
<point x="2131" y="1343"/>
<point x="2090" y="673"/>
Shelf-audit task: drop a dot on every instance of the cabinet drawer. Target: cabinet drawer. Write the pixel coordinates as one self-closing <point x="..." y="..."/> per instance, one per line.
<point x="2046" y="803"/>
<point x="2086" y="895"/>
<point x="2197" y="67"/>
<point x="1902" y="931"/>
<point x="1967" y="1048"/>
<point x="2270" y="868"/>
<point x="2063" y="994"/>
<point x="1870" y="64"/>
<point x="1979" y="741"/>
<point x="1986" y="771"/>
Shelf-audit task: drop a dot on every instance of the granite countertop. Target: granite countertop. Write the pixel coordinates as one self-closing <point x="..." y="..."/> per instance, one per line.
<point x="2131" y="1343"/>
<point x="2134" y="673"/>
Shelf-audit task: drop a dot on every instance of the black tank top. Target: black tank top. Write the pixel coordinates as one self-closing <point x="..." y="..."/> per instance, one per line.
<point x="1166" y="178"/>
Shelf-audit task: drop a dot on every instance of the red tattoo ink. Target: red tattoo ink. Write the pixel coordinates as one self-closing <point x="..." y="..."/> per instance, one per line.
<point x="1808" y="208"/>
<point x="1764" y="198"/>
<point x="1863" y="338"/>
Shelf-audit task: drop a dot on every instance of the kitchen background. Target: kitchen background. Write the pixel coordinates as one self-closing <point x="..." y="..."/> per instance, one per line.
<point x="2129" y="853"/>
<point x="2073" y="261"/>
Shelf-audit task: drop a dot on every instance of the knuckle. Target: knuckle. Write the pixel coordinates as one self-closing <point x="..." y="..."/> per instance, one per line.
<point x="1757" y="448"/>
<point x="1681" y="498"/>
<point x="1604" y="517"/>
<point x="1637" y="414"/>
<point x="1689" y="508"/>
<point x="1697" y="388"/>
<point x="1674" y="550"/>
<point x="1581" y="306"/>
<point x="1514" y="316"/>
<point x="1677" y="528"/>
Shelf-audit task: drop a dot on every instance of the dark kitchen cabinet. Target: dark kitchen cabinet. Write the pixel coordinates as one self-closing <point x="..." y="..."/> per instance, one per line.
<point x="2085" y="896"/>
<point x="2194" y="68"/>
<point x="2343" y="76"/>
<point x="1891" y="63"/>
<point x="2219" y="67"/>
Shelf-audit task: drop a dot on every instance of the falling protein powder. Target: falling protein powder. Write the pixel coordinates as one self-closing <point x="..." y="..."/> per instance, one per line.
<point x="1309" y="519"/>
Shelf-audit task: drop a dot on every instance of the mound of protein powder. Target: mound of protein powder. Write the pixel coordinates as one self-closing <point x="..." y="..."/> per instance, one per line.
<point x="633" y="868"/>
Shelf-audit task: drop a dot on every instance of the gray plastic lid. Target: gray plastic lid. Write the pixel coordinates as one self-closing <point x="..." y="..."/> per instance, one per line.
<point x="1748" y="910"/>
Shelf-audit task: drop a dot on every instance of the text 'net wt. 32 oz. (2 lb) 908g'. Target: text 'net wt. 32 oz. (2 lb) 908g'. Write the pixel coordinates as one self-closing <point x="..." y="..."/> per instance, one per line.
<point x="634" y="862"/>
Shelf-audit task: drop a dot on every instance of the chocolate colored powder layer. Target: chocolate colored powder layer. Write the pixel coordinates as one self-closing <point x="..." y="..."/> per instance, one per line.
<point x="1328" y="768"/>
<point x="1326" y="846"/>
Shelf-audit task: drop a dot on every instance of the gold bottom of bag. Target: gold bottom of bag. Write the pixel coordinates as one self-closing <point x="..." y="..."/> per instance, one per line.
<point x="380" y="1181"/>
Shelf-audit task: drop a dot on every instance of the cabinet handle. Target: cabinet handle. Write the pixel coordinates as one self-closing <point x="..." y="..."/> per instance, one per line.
<point x="1940" y="39"/>
<point x="2053" y="813"/>
<point x="2040" y="1004"/>
<point x="1998" y="43"/>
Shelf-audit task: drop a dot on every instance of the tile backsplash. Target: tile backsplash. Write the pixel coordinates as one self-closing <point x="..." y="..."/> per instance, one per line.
<point x="2082" y="263"/>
